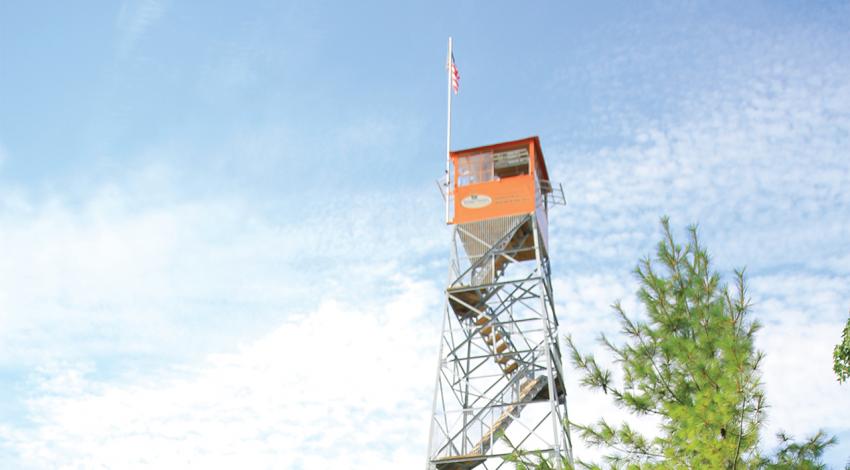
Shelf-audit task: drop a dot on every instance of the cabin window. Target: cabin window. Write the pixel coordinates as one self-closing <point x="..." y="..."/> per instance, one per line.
<point x="489" y="166"/>
<point x="475" y="169"/>
<point x="511" y="163"/>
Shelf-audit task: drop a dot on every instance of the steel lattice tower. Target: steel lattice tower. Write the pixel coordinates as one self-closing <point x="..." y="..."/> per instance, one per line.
<point x="500" y="383"/>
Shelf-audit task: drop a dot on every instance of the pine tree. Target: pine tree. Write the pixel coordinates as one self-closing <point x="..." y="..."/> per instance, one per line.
<point x="804" y="455"/>
<point x="690" y="361"/>
<point x="841" y="355"/>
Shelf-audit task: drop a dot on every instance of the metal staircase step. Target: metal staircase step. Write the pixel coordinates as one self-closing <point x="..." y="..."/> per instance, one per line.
<point x="489" y="339"/>
<point x="467" y="297"/>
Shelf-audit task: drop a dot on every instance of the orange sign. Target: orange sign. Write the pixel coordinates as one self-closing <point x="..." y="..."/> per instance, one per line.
<point x="510" y="196"/>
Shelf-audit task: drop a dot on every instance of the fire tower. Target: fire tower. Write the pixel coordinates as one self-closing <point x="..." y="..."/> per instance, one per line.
<point x="500" y="383"/>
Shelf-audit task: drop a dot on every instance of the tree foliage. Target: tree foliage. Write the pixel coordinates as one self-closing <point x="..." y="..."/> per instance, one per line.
<point x="690" y="361"/>
<point x="804" y="455"/>
<point x="531" y="460"/>
<point x="841" y="355"/>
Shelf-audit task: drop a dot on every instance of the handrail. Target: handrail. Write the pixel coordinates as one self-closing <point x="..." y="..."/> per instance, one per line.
<point x="487" y="407"/>
<point x="553" y="193"/>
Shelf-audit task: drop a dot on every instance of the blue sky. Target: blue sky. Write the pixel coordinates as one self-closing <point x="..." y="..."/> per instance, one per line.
<point x="222" y="243"/>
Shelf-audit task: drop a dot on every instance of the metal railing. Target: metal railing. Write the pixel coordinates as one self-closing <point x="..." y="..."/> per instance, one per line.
<point x="553" y="193"/>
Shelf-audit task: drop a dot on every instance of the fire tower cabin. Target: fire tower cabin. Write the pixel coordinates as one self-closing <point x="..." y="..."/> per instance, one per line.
<point x="498" y="181"/>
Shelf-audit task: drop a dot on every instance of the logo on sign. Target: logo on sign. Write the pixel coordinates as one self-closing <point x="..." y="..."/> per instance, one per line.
<point x="476" y="201"/>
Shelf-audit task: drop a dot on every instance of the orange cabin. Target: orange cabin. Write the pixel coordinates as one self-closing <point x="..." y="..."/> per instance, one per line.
<point x="498" y="180"/>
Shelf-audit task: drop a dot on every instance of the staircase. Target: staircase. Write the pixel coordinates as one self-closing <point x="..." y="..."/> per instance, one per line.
<point x="491" y="250"/>
<point x="470" y="302"/>
<point x="529" y="390"/>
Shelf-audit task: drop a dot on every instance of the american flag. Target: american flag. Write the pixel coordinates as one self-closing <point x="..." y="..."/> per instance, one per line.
<point x="455" y="75"/>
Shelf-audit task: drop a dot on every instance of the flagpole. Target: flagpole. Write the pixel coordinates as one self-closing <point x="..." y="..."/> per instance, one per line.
<point x="449" y="198"/>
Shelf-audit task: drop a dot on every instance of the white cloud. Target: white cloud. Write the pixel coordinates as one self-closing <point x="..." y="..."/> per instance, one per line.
<point x="117" y="272"/>
<point x="340" y="387"/>
<point x="758" y="157"/>
<point x="803" y="317"/>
